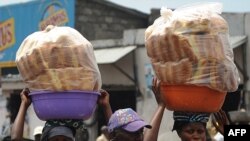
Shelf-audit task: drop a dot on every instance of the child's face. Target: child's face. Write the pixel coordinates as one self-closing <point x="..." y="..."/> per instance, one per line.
<point x="193" y="132"/>
<point x="122" y="135"/>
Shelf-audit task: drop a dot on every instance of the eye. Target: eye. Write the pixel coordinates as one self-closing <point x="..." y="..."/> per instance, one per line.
<point x="200" y="131"/>
<point x="189" y="131"/>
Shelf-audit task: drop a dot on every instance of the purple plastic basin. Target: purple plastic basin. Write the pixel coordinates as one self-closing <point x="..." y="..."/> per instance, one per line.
<point x="64" y="105"/>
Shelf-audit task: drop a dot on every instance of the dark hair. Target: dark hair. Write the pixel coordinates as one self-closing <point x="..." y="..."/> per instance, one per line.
<point x="181" y="119"/>
<point x="47" y="129"/>
<point x="178" y="125"/>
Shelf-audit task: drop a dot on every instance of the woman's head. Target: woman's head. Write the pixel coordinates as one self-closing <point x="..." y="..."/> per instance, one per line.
<point x="193" y="131"/>
<point x="191" y="126"/>
<point x="62" y="130"/>
<point x="125" y="124"/>
<point x="61" y="133"/>
<point x="58" y="133"/>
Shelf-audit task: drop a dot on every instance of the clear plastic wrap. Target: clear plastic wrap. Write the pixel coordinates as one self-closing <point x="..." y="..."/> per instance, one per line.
<point x="191" y="46"/>
<point x="58" y="59"/>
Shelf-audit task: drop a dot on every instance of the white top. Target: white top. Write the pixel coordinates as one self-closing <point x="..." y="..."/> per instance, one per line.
<point x="219" y="137"/>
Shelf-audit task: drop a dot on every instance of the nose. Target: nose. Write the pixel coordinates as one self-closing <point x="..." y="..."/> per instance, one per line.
<point x="197" y="137"/>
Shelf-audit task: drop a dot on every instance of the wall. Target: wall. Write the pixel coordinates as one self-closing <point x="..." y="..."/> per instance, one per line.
<point x="3" y="117"/>
<point x="99" y="19"/>
<point x="247" y="32"/>
<point x="238" y="23"/>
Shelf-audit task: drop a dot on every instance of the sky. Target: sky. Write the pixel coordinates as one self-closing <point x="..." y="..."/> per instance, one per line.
<point x="146" y="5"/>
<point x="5" y="2"/>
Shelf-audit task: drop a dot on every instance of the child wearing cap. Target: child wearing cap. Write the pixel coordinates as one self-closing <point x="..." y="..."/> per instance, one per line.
<point x="126" y="124"/>
<point x="121" y="123"/>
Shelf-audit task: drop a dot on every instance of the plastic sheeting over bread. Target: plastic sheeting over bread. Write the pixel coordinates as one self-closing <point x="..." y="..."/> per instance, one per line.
<point x="58" y="59"/>
<point x="191" y="46"/>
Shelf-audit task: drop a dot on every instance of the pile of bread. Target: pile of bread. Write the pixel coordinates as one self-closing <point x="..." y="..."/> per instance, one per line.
<point x="191" y="46"/>
<point x="58" y="59"/>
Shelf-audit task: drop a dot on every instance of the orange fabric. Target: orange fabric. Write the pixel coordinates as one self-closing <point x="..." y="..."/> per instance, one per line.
<point x="192" y="98"/>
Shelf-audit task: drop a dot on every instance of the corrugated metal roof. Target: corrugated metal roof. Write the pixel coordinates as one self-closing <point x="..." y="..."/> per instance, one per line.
<point x="111" y="55"/>
<point x="236" y="41"/>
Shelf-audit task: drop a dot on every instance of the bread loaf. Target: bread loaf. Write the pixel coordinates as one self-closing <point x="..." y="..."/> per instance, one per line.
<point x="173" y="72"/>
<point x="192" y="47"/>
<point x="58" y="59"/>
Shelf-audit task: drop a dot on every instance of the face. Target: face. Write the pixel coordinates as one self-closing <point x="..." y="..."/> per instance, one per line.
<point x="122" y="135"/>
<point x="60" y="138"/>
<point x="193" y="132"/>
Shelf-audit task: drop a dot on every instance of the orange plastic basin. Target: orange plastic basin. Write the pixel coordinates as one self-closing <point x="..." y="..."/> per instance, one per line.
<point x="192" y="98"/>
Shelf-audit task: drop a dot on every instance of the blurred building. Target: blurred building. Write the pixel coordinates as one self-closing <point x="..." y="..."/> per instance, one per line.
<point x="117" y="34"/>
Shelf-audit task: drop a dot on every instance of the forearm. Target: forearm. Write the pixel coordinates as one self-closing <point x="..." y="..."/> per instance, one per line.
<point x="107" y="111"/>
<point x="17" y="128"/>
<point x="152" y="134"/>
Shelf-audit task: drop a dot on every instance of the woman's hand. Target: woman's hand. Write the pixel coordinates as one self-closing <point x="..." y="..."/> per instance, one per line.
<point x="18" y="125"/>
<point x="152" y="134"/>
<point x="219" y="119"/>
<point x="103" y="101"/>
<point x="157" y="92"/>
<point x="26" y="100"/>
<point x="104" y="98"/>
